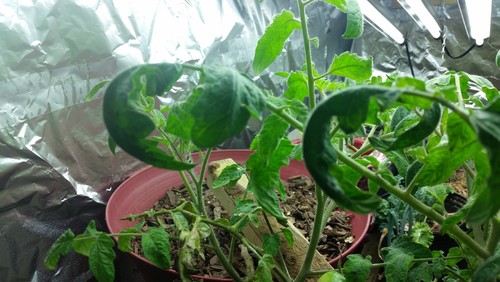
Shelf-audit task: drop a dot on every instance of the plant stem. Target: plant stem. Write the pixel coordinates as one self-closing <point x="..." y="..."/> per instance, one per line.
<point x="461" y="112"/>
<point x="460" y="98"/>
<point x="416" y="204"/>
<point x="453" y="273"/>
<point x="279" y="111"/>
<point x="494" y="237"/>
<point x="382" y="264"/>
<point x="328" y="211"/>
<point x="280" y="254"/>
<point x="366" y="145"/>
<point x="199" y="184"/>
<point x="316" y="233"/>
<point x="192" y="67"/>
<point x="307" y="50"/>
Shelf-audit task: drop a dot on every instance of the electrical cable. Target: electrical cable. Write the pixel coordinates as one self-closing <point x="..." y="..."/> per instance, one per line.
<point x="456" y="57"/>
<point x="408" y="56"/>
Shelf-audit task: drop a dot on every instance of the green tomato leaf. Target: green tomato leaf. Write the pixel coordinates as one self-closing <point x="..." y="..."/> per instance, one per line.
<point x="454" y="252"/>
<point x="124" y="241"/>
<point x="271" y="244"/>
<point x="294" y="107"/>
<point x="474" y="209"/>
<point x="271" y="134"/>
<point x="180" y="221"/>
<point x="355" y="21"/>
<point x="297" y="86"/>
<point x="125" y="116"/>
<point x="95" y="89"/>
<point x="357" y="268"/>
<point x="111" y="145"/>
<point x="101" y="258"/>
<point x="179" y="120"/>
<point x="265" y="176"/>
<point x="414" y="135"/>
<point x="270" y="45"/>
<point x="264" y="269"/>
<point x="448" y="156"/>
<point x="332" y="276"/>
<point x="439" y="192"/>
<point x="486" y="123"/>
<point x="352" y="66"/>
<point x="480" y="81"/>
<point x="229" y="176"/>
<point x="350" y="106"/>
<point x="421" y="272"/>
<point x="340" y="4"/>
<point x="156" y="245"/>
<point x="243" y="211"/>
<point x="410" y="83"/>
<point x="61" y="247"/>
<point x="489" y="269"/>
<point x="399" y="115"/>
<point x="288" y="237"/>
<point x="227" y="99"/>
<point x="399" y="256"/>
<point x="83" y="243"/>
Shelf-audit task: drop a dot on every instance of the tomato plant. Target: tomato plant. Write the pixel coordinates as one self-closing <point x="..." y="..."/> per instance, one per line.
<point x="427" y="130"/>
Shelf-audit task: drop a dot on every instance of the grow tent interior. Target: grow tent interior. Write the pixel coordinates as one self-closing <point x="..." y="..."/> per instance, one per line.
<point x="56" y="171"/>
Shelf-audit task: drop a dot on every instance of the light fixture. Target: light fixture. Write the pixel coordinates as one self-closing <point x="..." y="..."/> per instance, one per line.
<point x="379" y="22"/>
<point x="479" y="18"/>
<point x="422" y="16"/>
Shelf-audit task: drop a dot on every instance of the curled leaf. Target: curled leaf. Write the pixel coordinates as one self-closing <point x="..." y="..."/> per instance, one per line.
<point x="126" y="119"/>
<point x="351" y="107"/>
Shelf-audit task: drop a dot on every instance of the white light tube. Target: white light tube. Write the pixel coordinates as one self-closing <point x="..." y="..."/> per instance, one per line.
<point x="421" y="16"/>
<point x="479" y="14"/>
<point x="377" y="20"/>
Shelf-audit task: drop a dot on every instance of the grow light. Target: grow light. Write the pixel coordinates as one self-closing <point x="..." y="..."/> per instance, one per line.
<point x="421" y="15"/>
<point x="379" y="22"/>
<point x="479" y="17"/>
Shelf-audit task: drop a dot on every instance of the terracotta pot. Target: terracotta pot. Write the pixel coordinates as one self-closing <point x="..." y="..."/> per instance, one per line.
<point x="141" y="190"/>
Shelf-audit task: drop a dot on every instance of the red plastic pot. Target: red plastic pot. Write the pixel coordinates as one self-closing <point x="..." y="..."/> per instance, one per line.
<point x="141" y="190"/>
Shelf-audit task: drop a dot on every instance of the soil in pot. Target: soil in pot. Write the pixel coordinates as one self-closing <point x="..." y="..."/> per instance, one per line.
<point x="299" y="207"/>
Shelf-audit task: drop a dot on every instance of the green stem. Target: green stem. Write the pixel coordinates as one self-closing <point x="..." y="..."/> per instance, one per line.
<point x="280" y="254"/>
<point x="328" y="211"/>
<point x="307" y="50"/>
<point x="453" y="273"/>
<point x="231" y="248"/>
<point x="469" y="171"/>
<point x="316" y="233"/>
<point x="494" y="237"/>
<point x="413" y="183"/>
<point x="280" y="112"/>
<point x="334" y="131"/>
<point x="459" y="91"/>
<point x="192" y="67"/>
<point x="416" y="204"/>
<point x="199" y="184"/>
<point x="461" y="112"/>
<point x="366" y="145"/>
<point x="382" y="264"/>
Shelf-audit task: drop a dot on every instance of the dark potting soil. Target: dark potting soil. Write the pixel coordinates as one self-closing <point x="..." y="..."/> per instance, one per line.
<point x="299" y="207"/>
